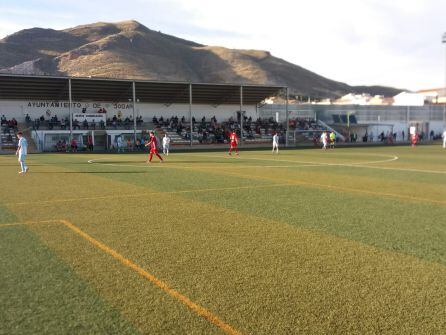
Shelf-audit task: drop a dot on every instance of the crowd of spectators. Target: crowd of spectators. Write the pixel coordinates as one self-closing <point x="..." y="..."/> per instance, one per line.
<point x="211" y="131"/>
<point x="117" y="122"/>
<point x="8" y="124"/>
<point x="9" y="130"/>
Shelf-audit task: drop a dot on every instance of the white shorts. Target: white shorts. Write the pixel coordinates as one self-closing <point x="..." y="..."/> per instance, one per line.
<point x="22" y="157"/>
<point x="275" y="145"/>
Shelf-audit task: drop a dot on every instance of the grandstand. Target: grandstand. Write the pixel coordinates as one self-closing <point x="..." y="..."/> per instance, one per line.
<point x="61" y="108"/>
<point x="191" y="113"/>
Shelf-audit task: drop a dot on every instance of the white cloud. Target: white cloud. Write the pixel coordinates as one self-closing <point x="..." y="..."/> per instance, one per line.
<point x="363" y="42"/>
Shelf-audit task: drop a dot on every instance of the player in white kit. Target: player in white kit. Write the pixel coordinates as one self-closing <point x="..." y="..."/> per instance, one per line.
<point x="22" y="151"/>
<point x="276" y="143"/>
<point x="444" y="139"/>
<point x="166" y="144"/>
<point x="324" y="140"/>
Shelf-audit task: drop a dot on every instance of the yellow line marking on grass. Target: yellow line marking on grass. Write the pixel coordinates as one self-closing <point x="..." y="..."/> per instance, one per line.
<point x="201" y="311"/>
<point x="28" y="223"/>
<point x="143" y="194"/>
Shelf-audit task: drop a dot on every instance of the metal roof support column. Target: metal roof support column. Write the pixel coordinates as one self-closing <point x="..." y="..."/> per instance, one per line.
<point x="190" y="114"/>
<point x="70" y="107"/>
<point x="241" y="115"/>
<point x="134" y="111"/>
<point x="287" y="116"/>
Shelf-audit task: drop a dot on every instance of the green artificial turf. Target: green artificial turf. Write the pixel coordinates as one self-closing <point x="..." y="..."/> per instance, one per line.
<point x="344" y="241"/>
<point x="40" y="294"/>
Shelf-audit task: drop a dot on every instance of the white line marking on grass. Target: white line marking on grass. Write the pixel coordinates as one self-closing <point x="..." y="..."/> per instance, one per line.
<point x="298" y="164"/>
<point x="391" y="159"/>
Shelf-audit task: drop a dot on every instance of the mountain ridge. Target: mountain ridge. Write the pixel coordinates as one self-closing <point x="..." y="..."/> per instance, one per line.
<point x="130" y="50"/>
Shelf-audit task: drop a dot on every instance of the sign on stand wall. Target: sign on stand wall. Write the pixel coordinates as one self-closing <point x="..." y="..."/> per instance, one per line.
<point x="90" y="117"/>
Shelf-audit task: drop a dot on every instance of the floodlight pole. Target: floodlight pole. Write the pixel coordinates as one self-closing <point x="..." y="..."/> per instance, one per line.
<point x="190" y="114"/>
<point x="241" y="115"/>
<point x="287" y="116"/>
<point x="134" y="111"/>
<point x="443" y="40"/>
<point x="70" y="103"/>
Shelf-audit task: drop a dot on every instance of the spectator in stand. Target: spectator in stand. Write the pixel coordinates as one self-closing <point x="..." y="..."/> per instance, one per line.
<point x="84" y="110"/>
<point x="85" y="124"/>
<point x="76" y="125"/>
<point x="59" y="146"/>
<point x="73" y="145"/>
<point x="3" y="120"/>
<point x="64" y="145"/>
<point x="14" y="123"/>
<point x="129" y="145"/>
<point x="90" y="143"/>
<point x="42" y="119"/>
<point x="27" y="119"/>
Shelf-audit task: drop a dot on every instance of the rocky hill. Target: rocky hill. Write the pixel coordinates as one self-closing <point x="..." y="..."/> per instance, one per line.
<point x="130" y="50"/>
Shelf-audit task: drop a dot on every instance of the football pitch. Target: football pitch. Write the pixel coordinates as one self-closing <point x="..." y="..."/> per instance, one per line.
<point x="344" y="241"/>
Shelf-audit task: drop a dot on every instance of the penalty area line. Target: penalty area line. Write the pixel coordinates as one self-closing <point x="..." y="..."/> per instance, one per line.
<point x="195" y="307"/>
<point x="198" y="309"/>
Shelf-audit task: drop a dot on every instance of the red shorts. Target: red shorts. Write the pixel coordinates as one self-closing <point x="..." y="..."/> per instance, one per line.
<point x="153" y="150"/>
<point x="233" y="144"/>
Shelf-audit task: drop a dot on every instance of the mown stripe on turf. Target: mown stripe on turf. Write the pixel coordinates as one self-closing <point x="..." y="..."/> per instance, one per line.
<point x="277" y="278"/>
<point x="41" y="294"/>
<point x="201" y="311"/>
<point x="14" y="224"/>
<point x="290" y="182"/>
<point x="324" y="186"/>
<point x="105" y="197"/>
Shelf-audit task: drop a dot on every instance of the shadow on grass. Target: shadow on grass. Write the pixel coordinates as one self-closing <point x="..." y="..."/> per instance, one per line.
<point x="86" y="172"/>
<point x="166" y="161"/>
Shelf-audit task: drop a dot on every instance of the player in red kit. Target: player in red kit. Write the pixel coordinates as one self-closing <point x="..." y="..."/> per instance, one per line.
<point x="233" y="142"/>
<point x="414" y="139"/>
<point x="152" y="144"/>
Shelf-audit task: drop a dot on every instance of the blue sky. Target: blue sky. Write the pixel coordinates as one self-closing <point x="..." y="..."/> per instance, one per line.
<point x="362" y="42"/>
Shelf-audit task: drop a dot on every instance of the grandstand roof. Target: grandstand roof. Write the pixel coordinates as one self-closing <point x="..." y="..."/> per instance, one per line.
<point x="21" y="87"/>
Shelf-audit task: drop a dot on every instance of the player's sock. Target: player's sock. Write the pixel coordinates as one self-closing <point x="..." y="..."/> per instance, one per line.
<point x="150" y="157"/>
